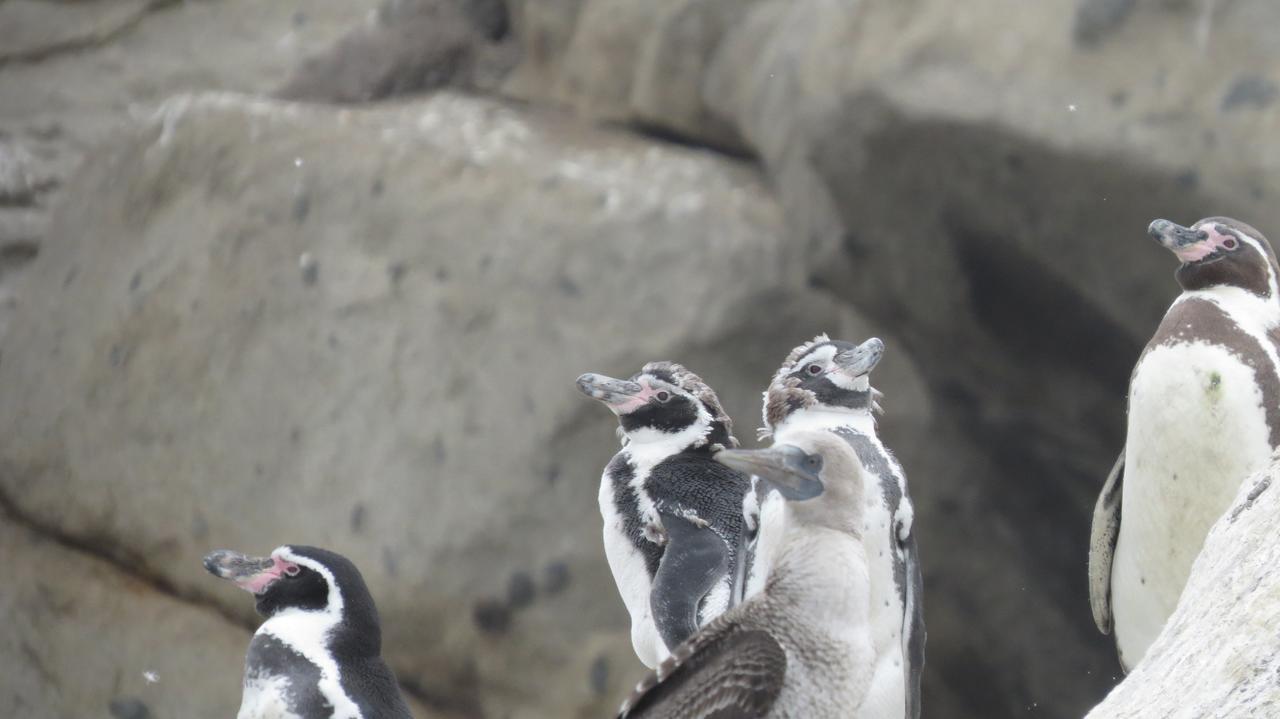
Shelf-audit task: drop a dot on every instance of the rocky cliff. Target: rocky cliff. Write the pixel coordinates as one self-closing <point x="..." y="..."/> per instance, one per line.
<point x="324" y="272"/>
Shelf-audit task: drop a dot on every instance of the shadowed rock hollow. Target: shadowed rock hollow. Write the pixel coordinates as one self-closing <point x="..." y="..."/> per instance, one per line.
<point x="242" y="321"/>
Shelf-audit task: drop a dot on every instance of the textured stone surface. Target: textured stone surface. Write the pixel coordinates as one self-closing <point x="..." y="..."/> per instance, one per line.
<point x="86" y="638"/>
<point x="249" y="349"/>
<point x="409" y="47"/>
<point x="70" y="72"/>
<point x="1216" y="657"/>
<point x="294" y="324"/>
<point x="81" y="636"/>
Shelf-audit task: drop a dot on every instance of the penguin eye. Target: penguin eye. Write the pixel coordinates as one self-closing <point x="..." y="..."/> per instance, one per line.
<point x="1230" y="243"/>
<point x="814" y="369"/>
<point x="292" y="570"/>
<point x="663" y="396"/>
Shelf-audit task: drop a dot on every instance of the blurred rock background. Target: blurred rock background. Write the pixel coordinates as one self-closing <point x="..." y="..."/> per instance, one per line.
<point x="323" y="271"/>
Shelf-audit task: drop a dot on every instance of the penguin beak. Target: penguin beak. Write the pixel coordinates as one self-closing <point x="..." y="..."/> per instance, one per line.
<point x="252" y="574"/>
<point x="619" y="395"/>
<point x="787" y="467"/>
<point x="859" y="361"/>
<point x="1188" y="244"/>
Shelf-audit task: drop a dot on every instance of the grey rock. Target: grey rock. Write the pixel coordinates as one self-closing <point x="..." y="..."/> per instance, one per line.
<point x="1250" y="91"/>
<point x="85" y="639"/>
<point x="1098" y="19"/>
<point x="33" y="30"/>
<point x="407" y="46"/>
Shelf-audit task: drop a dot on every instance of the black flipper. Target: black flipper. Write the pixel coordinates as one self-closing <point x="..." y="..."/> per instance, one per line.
<point x="1102" y="545"/>
<point x="914" y="627"/>
<point x="694" y="560"/>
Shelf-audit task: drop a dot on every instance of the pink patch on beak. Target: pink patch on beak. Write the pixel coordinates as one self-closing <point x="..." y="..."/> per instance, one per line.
<point x="258" y="583"/>
<point x="633" y="402"/>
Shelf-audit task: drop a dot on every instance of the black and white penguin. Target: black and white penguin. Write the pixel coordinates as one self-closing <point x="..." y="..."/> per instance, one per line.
<point x="318" y="654"/>
<point x="672" y="514"/>
<point x="803" y="645"/>
<point x="824" y="385"/>
<point x="1204" y="414"/>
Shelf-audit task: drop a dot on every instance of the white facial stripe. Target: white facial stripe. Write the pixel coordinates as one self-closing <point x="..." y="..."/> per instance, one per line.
<point x="1271" y="275"/>
<point x="822" y="355"/>
<point x="307" y="632"/>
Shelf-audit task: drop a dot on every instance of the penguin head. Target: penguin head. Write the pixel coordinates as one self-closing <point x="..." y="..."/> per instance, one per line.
<point x="823" y="374"/>
<point x="664" y="403"/>
<point x="1219" y="251"/>
<point x="818" y="473"/>
<point x="297" y="577"/>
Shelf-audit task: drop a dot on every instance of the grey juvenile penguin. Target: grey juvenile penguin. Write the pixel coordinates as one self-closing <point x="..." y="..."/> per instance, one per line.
<point x="802" y="646"/>
<point x="1204" y="414"/>
<point x="672" y="515"/>
<point x="318" y="654"/>
<point x="825" y="385"/>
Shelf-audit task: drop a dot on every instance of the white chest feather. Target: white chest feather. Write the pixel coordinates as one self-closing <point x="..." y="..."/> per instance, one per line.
<point x="305" y="632"/>
<point x="266" y="698"/>
<point x="631" y="575"/>
<point x="1196" y="429"/>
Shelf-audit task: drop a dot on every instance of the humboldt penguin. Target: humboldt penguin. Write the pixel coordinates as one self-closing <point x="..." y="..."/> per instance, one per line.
<point x="672" y="514"/>
<point x="318" y="654"/>
<point x="825" y="385"/>
<point x="1204" y="414"/>
<point x="802" y="646"/>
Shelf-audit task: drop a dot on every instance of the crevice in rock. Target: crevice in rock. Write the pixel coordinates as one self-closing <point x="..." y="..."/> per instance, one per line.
<point x="1012" y="291"/>
<point x="103" y="549"/>
<point x="89" y="41"/>
<point x="660" y="133"/>
<point x="118" y="557"/>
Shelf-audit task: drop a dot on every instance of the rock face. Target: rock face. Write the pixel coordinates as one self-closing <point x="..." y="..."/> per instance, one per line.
<point x="93" y="641"/>
<point x="1216" y="656"/>
<point x="87" y="639"/>
<point x="253" y="322"/>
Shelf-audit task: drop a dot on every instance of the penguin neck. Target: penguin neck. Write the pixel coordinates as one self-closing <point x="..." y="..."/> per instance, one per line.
<point x="1248" y="309"/>
<point x="823" y="418"/>
<point x="647" y="447"/>
<point x="347" y="625"/>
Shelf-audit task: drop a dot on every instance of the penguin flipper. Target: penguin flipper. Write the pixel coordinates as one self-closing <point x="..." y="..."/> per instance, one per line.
<point x="694" y="560"/>
<point x="1102" y="545"/>
<point x="722" y="673"/>
<point x="913" y="627"/>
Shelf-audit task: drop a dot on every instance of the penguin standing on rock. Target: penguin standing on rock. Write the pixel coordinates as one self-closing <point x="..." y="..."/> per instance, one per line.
<point x="825" y="386"/>
<point x="802" y="646"/>
<point x="1204" y="414"/>
<point x="318" y="654"/>
<point x="672" y="514"/>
